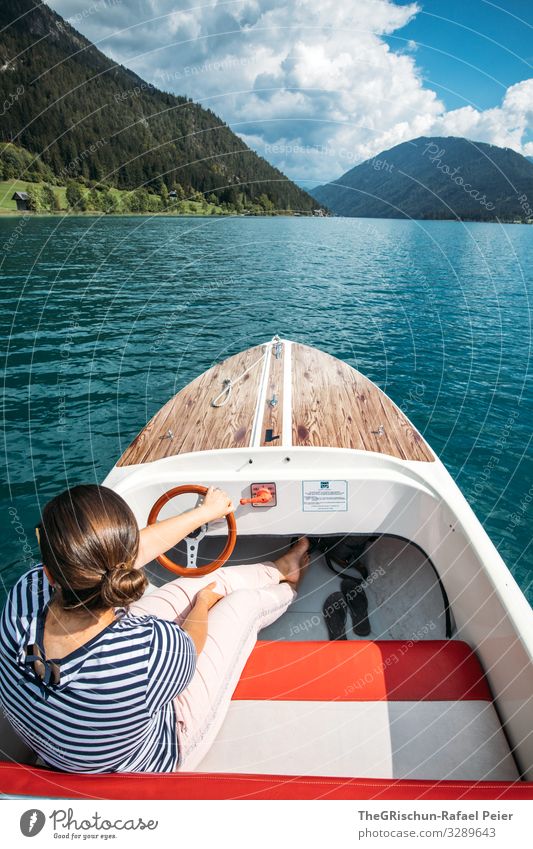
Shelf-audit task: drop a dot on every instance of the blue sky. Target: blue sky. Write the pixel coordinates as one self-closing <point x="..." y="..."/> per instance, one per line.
<point x="471" y="51"/>
<point x="317" y="86"/>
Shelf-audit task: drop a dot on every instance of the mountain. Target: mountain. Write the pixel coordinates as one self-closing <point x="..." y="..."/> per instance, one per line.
<point x="88" y="117"/>
<point x="435" y="178"/>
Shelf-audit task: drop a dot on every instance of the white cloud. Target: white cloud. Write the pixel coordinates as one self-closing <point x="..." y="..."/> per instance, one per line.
<point x="505" y="125"/>
<point x="310" y="84"/>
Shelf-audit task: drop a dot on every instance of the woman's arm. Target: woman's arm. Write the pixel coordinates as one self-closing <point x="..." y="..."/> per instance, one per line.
<point x="158" y="538"/>
<point x="196" y="622"/>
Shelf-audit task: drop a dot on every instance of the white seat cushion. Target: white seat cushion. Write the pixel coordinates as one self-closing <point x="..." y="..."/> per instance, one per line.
<point x="381" y="739"/>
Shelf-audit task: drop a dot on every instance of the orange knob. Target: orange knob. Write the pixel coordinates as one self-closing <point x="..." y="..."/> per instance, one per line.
<point x="263" y="497"/>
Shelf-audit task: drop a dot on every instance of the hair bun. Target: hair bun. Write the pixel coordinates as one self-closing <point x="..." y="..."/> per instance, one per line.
<point x="122" y="586"/>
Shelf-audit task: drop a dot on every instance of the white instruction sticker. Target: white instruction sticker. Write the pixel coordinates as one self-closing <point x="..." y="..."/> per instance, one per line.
<point x="324" y="496"/>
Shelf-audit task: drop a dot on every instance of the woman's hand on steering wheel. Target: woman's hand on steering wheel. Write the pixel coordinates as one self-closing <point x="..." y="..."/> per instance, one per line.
<point x="216" y="505"/>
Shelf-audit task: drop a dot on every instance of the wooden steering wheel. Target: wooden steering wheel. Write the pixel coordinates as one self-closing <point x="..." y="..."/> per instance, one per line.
<point x="191" y="570"/>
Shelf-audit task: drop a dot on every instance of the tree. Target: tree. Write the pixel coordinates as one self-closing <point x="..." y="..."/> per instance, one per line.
<point x="108" y="202"/>
<point x="75" y="196"/>
<point x="18" y="163"/>
<point x="230" y="196"/>
<point x="126" y="201"/>
<point x="265" y="202"/>
<point x="12" y="163"/>
<point x="49" y="199"/>
<point x="164" y="197"/>
<point x="93" y="201"/>
<point x="35" y="201"/>
<point x="139" y="200"/>
<point x="153" y="203"/>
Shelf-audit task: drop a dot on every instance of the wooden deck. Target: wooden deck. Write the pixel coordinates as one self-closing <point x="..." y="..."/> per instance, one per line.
<point x="335" y="405"/>
<point x="282" y="394"/>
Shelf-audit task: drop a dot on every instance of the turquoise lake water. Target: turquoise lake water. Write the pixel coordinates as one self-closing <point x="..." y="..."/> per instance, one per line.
<point x="103" y="320"/>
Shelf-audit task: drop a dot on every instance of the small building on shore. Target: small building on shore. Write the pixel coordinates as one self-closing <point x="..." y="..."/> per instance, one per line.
<point x="173" y="195"/>
<point x="22" y="201"/>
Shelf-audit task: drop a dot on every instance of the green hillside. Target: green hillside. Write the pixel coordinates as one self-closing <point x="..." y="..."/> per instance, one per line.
<point x="50" y="198"/>
<point x="7" y="187"/>
<point x="89" y="118"/>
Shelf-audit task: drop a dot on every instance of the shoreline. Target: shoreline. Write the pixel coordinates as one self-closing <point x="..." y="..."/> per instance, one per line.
<point x="15" y="213"/>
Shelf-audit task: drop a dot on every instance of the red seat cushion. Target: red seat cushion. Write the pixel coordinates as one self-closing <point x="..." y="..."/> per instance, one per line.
<point x="16" y="779"/>
<point x="363" y="670"/>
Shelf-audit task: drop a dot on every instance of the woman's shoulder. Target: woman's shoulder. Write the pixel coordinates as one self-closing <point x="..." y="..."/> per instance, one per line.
<point x="144" y="624"/>
<point x="25" y="600"/>
<point x="30" y="592"/>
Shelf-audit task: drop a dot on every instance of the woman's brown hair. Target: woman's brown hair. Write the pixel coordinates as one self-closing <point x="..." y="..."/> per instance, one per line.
<point x="89" y="541"/>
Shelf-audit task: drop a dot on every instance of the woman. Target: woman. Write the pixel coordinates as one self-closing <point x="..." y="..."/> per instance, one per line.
<point x="97" y="677"/>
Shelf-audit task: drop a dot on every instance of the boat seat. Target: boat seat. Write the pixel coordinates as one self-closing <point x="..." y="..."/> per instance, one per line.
<point x="391" y="709"/>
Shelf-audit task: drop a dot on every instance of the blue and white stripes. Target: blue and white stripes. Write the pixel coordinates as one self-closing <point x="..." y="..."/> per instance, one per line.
<point x="112" y="709"/>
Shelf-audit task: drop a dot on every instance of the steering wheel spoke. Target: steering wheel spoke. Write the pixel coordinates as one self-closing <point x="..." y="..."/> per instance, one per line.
<point x="193" y="540"/>
<point x="192" y="552"/>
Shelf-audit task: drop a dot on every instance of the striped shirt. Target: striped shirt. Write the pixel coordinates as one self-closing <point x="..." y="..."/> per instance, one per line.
<point x="111" y="710"/>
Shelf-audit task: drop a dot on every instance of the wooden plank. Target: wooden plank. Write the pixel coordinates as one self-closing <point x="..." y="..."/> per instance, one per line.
<point x="194" y="424"/>
<point x="333" y="405"/>
<point x="336" y="406"/>
<point x="273" y="409"/>
<point x="229" y="426"/>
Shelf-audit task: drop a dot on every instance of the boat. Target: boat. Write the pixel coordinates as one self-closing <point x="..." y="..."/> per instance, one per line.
<point x="435" y="699"/>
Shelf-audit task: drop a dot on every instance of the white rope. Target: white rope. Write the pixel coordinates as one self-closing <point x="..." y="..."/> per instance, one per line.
<point x="228" y="383"/>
